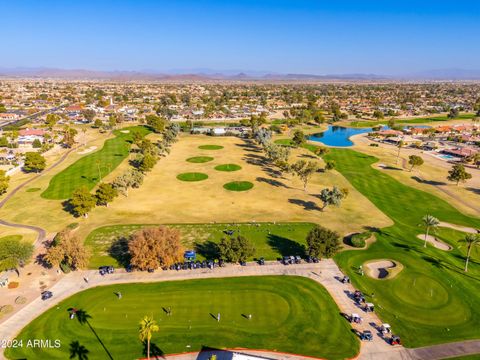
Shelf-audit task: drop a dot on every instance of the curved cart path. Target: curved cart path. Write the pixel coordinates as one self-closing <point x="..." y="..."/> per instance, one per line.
<point x="41" y="232"/>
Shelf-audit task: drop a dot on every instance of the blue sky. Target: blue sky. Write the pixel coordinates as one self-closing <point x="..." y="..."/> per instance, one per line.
<point x="382" y="37"/>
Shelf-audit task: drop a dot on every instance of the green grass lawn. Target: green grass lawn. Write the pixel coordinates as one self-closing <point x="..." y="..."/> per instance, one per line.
<point x="90" y="169"/>
<point x="289" y="314"/>
<point x="108" y="243"/>
<point x="432" y="300"/>
<point x="200" y="159"/>
<point x="192" y="176"/>
<point x="420" y="120"/>
<point x="228" y="167"/>
<point x="210" y="147"/>
<point x="238" y="185"/>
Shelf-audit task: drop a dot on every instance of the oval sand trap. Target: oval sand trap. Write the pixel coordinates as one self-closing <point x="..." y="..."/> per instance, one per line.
<point x="435" y="242"/>
<point x="383" y="269"/>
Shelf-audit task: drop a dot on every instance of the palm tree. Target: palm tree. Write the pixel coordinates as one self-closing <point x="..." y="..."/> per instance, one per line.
<point x="471" y="240"/>
<point x="429" y="222"/>
<point x="399" y="145"/>
<point x="147" y="327"/>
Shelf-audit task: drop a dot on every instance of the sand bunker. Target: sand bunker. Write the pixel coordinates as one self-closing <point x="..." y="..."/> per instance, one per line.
<point x="125" y="131"/>
<point x="435" y="242"/>
<point x="382" y="269"/>
<point x="87" y="150"/>
<point x="458" y="227"/>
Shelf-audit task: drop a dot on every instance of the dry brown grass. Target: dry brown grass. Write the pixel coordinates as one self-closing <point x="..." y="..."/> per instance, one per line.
<point x="164" y="199"/>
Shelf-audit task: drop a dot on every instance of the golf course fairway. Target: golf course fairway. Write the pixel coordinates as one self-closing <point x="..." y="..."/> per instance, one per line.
<point x="432" y="300"/>
<point x="289" y="314"/>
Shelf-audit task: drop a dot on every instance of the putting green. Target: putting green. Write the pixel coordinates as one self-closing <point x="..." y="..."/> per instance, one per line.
<point x="192" y="176"/>
<point x="200" y="159"/>
<point x="90" y="169"/>
<point x="238" y="186"/>
<point x="228" y="167"/>
<point x="287" y="314"/>
<point x="210" y="147"/>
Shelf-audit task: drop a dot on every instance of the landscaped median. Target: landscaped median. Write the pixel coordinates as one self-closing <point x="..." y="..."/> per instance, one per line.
<point x="280" y="313"/>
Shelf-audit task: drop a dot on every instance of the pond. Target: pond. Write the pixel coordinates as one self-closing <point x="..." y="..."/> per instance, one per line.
<point x="338" y="135"/>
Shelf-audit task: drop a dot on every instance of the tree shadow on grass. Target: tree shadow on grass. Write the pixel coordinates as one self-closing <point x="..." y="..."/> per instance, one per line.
<point x="83" y="318"/>
<point x="285" y="246"/>
<point x="119" y="251"/>
<point x="155" y="351"/>
<point x="307" y="205"/>
<point x="207" y="249"/>
<point x="272" y="182"/>
<point x="428" y="182"/>
<point x="78" y="351"/>
<point x="473" y="190"/>
<point x="448" y="266"/>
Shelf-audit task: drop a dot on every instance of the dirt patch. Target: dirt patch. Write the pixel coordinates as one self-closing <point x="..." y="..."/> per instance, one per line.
<point x="383" y="269"/>
<point x="435" y="242"/>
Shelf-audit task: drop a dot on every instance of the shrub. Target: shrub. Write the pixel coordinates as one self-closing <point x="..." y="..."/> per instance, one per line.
<point x="65" y="268"/>
<point x="5" y="309"/>
<point x="13" y="285"/>
<point x="358" y="240"/>
<point x="20" y="300"/>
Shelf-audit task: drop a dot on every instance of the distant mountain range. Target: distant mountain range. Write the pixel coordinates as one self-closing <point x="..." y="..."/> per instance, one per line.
<point x="205" y="74"/>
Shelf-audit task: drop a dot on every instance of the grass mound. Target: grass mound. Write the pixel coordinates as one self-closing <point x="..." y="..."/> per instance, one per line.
<point x="33" y="189"/>
<point x="210" y="147"/>
<point x="238" y="186"/>
<point x="200" y="159"/>
<point x="228" y="167"/>
<point x="286" y="312"/>
<point x="90" y="169"/>
<point x="192" y="176"/>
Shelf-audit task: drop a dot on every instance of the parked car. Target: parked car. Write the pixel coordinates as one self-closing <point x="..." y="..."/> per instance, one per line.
<point x="46" y="295"/>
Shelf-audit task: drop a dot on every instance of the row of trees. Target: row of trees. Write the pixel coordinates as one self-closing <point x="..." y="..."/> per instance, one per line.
<point x="158" y="247"/>
<point x="147" y="154"/>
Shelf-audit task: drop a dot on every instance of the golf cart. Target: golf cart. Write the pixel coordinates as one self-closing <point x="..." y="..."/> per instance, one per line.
<point x="385" y="329"/>
<point x="358" y="297"/>
<point x="395" y="340"/>
<point x="298" y="259"/>
<point x="355" y="318"/>
<point x="46" y="295"/>
<point x="345" y="280"/>
<point x="369" y="307"/>
<point x="366" y="335"/>
<point x="286" y="260"/>
<point x="103" y="270"/>
<point x="261" y="261"/>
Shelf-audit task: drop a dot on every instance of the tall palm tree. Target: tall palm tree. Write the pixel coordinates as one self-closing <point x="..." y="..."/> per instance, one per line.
<point x="470" y="240"/>
<point x="147" y="327"/>
<point x="429" y="222"/>
<point x="399" y="145"/>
